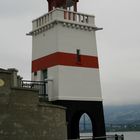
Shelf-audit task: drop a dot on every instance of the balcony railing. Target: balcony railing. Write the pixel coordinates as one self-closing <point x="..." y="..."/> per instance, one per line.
<point x="39" y="85"/>
<point x="63" y="15"/>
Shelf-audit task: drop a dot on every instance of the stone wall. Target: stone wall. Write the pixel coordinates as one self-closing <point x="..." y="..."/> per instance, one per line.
<point x="5" y="77"/>
<point x="23" y="117"/>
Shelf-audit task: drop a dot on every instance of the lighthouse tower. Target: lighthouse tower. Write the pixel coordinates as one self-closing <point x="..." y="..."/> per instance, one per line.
<point x="64" y="53"/>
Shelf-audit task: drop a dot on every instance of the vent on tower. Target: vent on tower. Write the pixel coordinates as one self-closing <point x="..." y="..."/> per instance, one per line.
<point x="78" y="56"/>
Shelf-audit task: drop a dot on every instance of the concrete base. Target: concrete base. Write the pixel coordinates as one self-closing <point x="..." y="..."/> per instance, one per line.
<point x="75" y="109"/>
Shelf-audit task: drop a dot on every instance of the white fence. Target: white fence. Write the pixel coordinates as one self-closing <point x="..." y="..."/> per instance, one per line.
<point x="64" y="15"/>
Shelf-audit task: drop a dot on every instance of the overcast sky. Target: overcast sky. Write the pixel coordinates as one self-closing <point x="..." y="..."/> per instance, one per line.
<point x="118" y="44"/>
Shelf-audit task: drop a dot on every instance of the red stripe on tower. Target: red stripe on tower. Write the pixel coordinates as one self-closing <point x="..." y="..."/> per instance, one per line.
<point x="66" y="59"/>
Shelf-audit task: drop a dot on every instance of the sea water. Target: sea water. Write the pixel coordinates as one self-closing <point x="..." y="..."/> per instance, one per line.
<point x="127" y="135"/>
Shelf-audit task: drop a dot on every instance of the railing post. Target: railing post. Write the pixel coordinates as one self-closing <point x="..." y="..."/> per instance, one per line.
<point x="44" y="89"/>
<point x="116" y="137"/>
<point x="21" y="83"/>
<point x="65" y="14"/>
<point x="122" y="137"/>
<point x="74" y="17"/>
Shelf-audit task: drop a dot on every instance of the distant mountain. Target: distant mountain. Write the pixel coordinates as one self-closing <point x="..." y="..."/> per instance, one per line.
<point x="117" y="118"/>
<point x="128" y="114"/>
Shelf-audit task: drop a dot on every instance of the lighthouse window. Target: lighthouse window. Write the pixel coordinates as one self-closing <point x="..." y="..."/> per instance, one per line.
<point x="35" y="73"/>
<point x="78" y="55"/>
<point x="45" y="74"/>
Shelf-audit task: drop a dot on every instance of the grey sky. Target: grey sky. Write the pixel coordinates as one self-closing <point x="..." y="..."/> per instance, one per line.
<point x="118" y="44"/>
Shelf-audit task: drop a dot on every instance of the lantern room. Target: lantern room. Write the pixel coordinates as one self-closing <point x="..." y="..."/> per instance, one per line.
<point x="64" y="4"/>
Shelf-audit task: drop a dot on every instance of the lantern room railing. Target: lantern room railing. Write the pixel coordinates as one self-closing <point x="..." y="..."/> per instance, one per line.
<point x="64" y="16"/>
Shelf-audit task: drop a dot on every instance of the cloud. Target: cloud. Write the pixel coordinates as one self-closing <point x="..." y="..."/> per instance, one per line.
<point x="21" y="7"/>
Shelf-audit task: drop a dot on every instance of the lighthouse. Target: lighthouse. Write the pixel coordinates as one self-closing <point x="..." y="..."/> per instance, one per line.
<point x="64" y="53"/>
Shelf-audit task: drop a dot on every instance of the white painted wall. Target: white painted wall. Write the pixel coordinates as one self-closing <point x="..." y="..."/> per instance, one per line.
<point x="69" y="83"/>
<point x="75" y="83"/>
<point x="44" y="44"/>
<point x="64" y="39"/>
<point x="70" y="39"/>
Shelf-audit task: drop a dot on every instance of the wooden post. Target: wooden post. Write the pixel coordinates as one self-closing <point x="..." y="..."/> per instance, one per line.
<point x="122" y="137"/>
<point x="116" y="137"/>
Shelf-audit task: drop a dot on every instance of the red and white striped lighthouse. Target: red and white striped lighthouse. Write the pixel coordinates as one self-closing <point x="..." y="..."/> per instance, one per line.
<point x="64" y="50"/>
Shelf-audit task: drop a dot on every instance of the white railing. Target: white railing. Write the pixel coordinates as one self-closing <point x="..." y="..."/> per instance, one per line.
<point x="63" y="15"/>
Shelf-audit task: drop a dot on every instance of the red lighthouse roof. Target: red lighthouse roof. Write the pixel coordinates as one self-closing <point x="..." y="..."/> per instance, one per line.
<point x="52" y="4"/>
